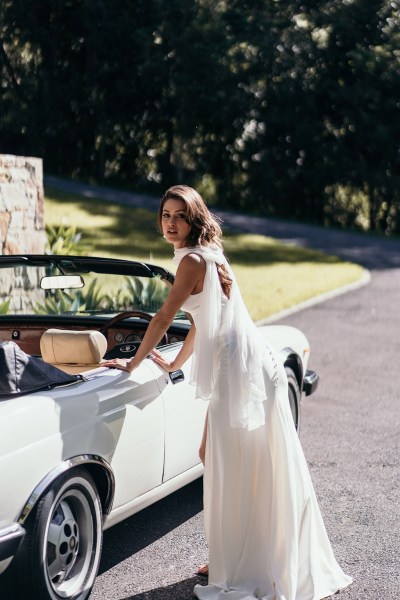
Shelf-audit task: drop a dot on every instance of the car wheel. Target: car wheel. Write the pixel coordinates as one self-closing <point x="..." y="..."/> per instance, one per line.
<point x="61" y="553"/>
<point x="294" y="396"/>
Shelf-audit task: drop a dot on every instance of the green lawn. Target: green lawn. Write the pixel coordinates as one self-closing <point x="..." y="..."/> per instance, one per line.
<point x="271" y="275"/>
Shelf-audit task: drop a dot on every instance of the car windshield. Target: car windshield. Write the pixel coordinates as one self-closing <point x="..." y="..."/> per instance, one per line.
<point x="48" y="290"/>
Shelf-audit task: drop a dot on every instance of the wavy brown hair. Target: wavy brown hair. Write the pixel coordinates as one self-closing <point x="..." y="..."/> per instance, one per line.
<point x="205" y="229"/>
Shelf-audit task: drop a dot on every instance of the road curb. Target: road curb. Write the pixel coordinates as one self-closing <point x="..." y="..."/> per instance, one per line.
<point x="364" y="280"/>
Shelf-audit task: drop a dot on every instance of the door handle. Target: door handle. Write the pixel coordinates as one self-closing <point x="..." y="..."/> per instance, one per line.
<point x="176" y="376"/>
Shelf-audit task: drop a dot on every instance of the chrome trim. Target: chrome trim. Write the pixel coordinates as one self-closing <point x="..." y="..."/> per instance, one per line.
<point x="311" y="380"/>
<point x="67" y="465"/>
<point x="10" y="540"/>
<point x="177" y="376"/>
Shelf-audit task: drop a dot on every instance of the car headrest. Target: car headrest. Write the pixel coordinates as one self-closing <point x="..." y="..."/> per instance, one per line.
<point x="61" y="346"/>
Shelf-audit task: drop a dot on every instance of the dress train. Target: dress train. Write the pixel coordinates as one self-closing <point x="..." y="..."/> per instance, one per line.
<point x="266" y="536"/>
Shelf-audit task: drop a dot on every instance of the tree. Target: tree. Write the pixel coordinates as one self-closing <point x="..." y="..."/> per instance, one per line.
<point x="289" y="108"/>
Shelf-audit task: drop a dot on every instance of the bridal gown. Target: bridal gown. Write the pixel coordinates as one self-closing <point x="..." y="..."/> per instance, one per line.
<point x="265" y="533"/>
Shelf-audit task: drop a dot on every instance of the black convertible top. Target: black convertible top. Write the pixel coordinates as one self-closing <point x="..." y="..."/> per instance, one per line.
<point x="21" y="373"/>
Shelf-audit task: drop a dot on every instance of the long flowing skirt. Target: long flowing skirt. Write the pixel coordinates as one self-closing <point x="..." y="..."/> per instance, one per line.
<point x="265" y="533"/>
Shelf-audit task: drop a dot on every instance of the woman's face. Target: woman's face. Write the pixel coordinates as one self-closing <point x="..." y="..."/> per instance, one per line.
<point x="173" y="221"/>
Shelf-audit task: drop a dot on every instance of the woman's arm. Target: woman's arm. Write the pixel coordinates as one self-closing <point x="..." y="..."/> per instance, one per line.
<point x="191" y="272"/>
<point x="180" y="358"/>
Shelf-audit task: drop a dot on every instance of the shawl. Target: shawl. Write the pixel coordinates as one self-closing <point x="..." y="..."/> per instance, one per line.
<point x="249" y="362"/>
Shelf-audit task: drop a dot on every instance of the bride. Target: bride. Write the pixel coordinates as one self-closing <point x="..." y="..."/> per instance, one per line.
<point x="265" y="533"/>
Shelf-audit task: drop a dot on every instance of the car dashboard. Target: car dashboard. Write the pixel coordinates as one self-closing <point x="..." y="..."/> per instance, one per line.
<point x="26" y="331"/>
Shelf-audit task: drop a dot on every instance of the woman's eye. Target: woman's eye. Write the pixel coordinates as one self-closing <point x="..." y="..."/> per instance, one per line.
<point x="165" y="216"/>
<point x="182" y="216"/>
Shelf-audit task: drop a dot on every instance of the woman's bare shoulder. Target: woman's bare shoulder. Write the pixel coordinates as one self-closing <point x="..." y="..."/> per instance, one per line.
<point x="193" y="260"/>
<point x="192" y="268"/>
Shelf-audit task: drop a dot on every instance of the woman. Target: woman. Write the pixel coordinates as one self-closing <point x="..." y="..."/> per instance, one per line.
<point x="265" y="533"/>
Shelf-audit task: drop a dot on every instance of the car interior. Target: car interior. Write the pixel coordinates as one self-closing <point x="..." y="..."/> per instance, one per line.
<point x="75" y="311"/>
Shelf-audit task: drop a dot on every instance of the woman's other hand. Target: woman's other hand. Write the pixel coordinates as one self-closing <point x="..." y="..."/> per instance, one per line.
<point x="159" y="359"/>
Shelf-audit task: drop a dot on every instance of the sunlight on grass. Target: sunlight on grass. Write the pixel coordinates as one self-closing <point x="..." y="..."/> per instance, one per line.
<point x="280" y="286"/>
<point x="272" y="276"/>
<point x="108" y="229"/>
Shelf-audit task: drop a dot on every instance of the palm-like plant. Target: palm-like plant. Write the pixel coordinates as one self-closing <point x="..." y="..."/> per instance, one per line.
<point x="148" y="294"/>
<point x="4" y="306"/>
<point x="64" y="240"/>
<point x="57" y="303"/>
<point x="60" y="302"/>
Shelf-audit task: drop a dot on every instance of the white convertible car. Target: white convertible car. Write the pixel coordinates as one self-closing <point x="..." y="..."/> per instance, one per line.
<point x="82" y="446"/>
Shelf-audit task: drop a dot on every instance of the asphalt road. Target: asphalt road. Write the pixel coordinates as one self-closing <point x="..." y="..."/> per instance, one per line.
<point x="350" y="433"/>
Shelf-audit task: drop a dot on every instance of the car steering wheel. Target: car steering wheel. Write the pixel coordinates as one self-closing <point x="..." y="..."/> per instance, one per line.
<point x="127" y="315"/>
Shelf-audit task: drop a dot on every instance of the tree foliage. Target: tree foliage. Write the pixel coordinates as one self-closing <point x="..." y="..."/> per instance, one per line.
<point x="290" y="108"/>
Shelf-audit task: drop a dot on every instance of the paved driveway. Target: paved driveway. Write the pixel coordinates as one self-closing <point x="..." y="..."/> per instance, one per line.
<point x="350" y="434"/>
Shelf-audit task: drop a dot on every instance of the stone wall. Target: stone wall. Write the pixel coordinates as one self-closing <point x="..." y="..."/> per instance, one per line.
<point x="21" y="205"/>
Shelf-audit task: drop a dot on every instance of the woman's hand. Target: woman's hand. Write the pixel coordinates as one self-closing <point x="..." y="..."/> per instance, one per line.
<point x="159" y="359"/>
<point x="118" y="363"/>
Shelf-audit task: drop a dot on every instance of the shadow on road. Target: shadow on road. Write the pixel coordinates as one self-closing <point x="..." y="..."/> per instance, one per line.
<point x="183" y="589"/>
<point x="147" y="526"/>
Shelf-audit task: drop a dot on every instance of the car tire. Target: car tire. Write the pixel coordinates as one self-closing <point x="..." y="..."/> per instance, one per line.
<point x="294" y="396"/>
<point x="61" y="552"/>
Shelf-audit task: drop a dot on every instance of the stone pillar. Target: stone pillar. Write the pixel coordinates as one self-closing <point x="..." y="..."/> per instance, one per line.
<point x="21" y="205"/>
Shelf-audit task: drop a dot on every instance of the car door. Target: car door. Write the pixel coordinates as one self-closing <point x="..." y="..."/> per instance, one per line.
<point x="183" y="417"/>
<point x="132" y="409"/>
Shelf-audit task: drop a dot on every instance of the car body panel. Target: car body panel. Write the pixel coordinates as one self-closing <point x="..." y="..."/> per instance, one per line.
<point x="184" y="420"/>
<point x="287" y="337"/>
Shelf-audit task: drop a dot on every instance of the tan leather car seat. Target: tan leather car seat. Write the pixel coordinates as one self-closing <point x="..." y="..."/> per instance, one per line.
<point x="73" y="351"/>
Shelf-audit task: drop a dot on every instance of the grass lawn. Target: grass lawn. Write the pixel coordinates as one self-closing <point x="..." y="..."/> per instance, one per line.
<point x="272" y="276"/>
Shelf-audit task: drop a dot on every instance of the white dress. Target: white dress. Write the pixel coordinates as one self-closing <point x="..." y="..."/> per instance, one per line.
<point x="264" y="529"/>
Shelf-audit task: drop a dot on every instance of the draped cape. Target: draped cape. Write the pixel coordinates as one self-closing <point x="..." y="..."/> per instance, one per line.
<point x="249" y="361"/>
